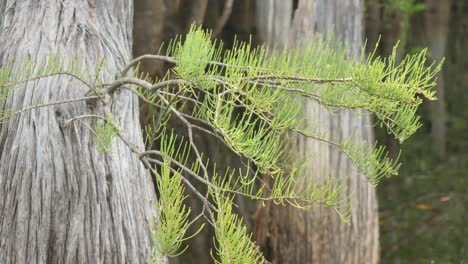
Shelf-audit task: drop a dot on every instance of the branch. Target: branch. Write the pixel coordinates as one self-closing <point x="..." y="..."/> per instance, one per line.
<point x="147" y="57"/>
<point x="298" y="78"/>
<point x="174" y="61"/>
<point x="142" y="83"/>
<point x="182" y="114"/>
<point x="165" y="109"/>
<point x="173" y="82"/>
<point x="293" y="199"/>
<point x="190" y="134"/>
<point x="84" y="116"/>
<point x="196" y="102"/>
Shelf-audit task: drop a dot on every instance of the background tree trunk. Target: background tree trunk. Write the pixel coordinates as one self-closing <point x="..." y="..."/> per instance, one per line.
<point x="61" y="200"/>
<point x="436" y="22"/>
<point x="288" y="235"/>
<point x="148" y="26"/>
<point x="387" y="21"/>
<point x="456" y="78"/>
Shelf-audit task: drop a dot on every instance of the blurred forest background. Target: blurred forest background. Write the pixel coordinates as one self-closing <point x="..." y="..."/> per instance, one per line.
<point x="423" y="212"/>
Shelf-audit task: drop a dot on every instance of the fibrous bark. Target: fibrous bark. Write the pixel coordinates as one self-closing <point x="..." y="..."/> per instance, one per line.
<point x="61" y="200"/>
<point x="289" y="235"/>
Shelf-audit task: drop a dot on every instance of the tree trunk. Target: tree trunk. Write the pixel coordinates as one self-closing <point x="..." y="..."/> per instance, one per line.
<point x="457" y="81"/>
<point x="436" y="23"/>
<point x="289" y="235"/>
<point x="61" y="200"/>
<point x="373" y="22"/>
<point x="148" y="25"/>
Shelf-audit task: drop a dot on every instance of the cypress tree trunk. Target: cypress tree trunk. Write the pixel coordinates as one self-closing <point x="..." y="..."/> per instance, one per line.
<point x="289" y="235"/>
<point x="61" y="200"/>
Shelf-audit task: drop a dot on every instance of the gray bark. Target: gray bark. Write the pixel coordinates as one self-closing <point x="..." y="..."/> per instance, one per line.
<point x="274" y="21"/>
<point x="62" y="201"/>
<point x="289" y="235"/>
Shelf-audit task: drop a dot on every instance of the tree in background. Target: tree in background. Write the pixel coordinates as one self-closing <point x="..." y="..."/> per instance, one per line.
<point x="423" y="211"/>
<point x="424" y="23"/>
<point x="436" y="24"/>
<point x="317" y="235"/>
<point x="389" y="23"/>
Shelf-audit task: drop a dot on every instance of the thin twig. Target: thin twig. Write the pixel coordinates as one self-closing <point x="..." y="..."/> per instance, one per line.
<point x="174" y="61"/>
<point x="127" y="80"/>
<point x="150" y="87"/>
<point x="183" y="97"/>
<point x="292" y="198"/>
<point x="146" y="57"/>
<point x="55" y="103"/>
<point x="173" y="82"/>
<point x="162" y="107"/>
<point x="298" y="78"/>
<point x="190" y="135"/>
<point x="165" y="109"/>
<point x="83" y="116"/>
<point x="46" y="76"/>
<point x="187" y="170"/>
<point x="88" y="126"/>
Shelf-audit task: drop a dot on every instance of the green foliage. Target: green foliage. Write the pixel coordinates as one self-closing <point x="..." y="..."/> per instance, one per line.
<point x="250" y="99"/>
<point x="105" y="132"/>
<point x="233" y="245"/>
<point x="264" y="83"/>
<point x="14" y="77"/>
<point x="169" y="227"/>
<point x="193" y="55"/>
<point x="406" y="6"/>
